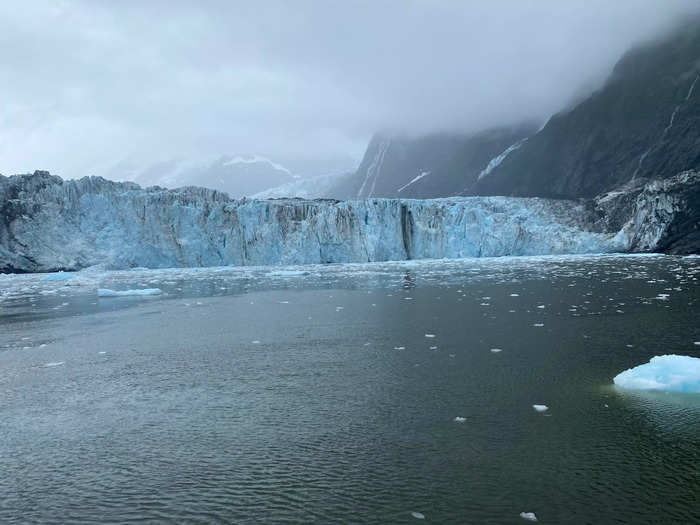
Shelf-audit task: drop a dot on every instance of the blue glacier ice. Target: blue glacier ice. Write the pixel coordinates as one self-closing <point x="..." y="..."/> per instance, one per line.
<point x="51" y="224"/>
<point x="668" y="373"/>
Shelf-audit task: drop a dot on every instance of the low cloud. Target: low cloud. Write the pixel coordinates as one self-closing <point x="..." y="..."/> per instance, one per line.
<point x="92" y="84"/>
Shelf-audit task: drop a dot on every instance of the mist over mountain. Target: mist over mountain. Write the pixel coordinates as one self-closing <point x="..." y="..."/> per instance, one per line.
<point x="99" y="86"/>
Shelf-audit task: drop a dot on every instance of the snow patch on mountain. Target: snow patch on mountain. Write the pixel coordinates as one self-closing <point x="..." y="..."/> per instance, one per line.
<point x="496" y="161"/>
<point x="415" y="179"/>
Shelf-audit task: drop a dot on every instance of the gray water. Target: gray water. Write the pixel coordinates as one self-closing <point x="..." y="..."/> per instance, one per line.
<point x="313" y="394"/>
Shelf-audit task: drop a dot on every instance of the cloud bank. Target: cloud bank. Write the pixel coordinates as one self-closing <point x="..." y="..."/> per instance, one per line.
<point x="88" y="85"/>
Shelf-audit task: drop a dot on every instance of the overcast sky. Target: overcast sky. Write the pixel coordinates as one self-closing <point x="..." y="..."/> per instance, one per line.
<point x="86" y="85"/>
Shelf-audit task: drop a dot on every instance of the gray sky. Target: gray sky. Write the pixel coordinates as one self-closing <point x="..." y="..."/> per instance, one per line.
<point x="89" y="84"/>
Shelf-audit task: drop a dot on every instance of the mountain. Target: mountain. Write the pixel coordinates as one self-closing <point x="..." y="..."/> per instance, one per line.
<point x="321" y="187"/>
<point x="437" y="165"/>
<point x="642" y="124"/>
<point x="49" y="224"/>
<point x="239" y="175"/>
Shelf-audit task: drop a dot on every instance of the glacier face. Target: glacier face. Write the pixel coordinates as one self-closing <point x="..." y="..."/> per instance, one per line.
<point x="50" y="224"/>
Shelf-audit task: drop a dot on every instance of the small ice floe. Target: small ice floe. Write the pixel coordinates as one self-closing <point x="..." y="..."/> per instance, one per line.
<point x="697" y="343"/>
<point x="452" y="355"/>
<point x="433" y="348"/>
<point x="515" y="295"/>
<point x="496" y="350"/>
<point x="399" y="348"/>
<point x="57" y="363"/>
<point x="256" y="342"/>
<point x="430" y="336"/>
<point x="529" y="516"/>
<point x="662" y="297"/>
<point x="283" y="302"/>
<point x="42" y="345"/>
<point x="367" y="344"/>
<point x="339" y="308"/>
<point x="667" y="373"/>
<point x="538" y="325"/>
<point x="418" y="515"/>
<point x="540" y="408"/>
<point x="106" y="292"/>
<point x="460" y="419"/>
<point x="101" y="352"/>
<point x="541" y="306"/>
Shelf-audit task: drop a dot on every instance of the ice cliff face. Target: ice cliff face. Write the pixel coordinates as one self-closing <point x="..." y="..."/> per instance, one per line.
<point x="49" y="224"/>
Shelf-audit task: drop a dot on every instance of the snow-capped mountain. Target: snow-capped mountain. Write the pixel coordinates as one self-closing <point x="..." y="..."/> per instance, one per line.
<point x="237" y="175"/>
<point x="321" y="187"/>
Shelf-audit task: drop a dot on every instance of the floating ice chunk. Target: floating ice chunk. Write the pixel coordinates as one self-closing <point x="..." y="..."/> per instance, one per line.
<point x="58" y="276"/>
<point x="57" y="363"/>
<point x="697" y="343"/>
<point x="515" y="295"/>
<point x="418" y="515"/>
<point x="662" y="297"/>
<point x="496" y="350"/>
<point x="256" y="342"/>
<point x="540" y="408"/>
<point x="460" y="419"/>
<point x="433" y="348"/>
<point x="105" y="292"/>
<point x="539" y="325"/>
<point x="540" y="306"/>
<point x="399" y="348"/>
<point x="430" y="335"/>
<point x="101" y="352"/>
<point x="669" y="373"/>
<point x="529" y="516"/>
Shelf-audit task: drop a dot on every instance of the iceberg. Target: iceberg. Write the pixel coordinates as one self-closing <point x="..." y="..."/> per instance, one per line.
<point x="667" y="373"/>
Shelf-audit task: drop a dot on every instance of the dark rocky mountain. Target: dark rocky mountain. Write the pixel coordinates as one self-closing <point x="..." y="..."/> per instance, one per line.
<point x="643" y="124"/>
<point x="437" y="165"/>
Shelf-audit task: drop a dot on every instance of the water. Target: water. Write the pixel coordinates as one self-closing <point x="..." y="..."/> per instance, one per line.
<point x="313" y="395"/>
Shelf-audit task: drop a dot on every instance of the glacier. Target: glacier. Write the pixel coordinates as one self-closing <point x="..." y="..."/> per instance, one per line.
<point x="48" y="224"/>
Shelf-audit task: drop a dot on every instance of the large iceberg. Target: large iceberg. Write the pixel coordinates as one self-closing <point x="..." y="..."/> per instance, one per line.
<point x="668" y="373"/>
<point x="49" y="224"/>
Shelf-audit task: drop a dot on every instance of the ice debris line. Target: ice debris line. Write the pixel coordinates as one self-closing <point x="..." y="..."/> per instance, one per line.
<point x="105" y="292"/>
<point x="52" y="224"/>
<point x="667" y="373"/>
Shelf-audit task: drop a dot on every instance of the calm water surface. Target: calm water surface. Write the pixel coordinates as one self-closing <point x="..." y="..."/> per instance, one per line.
<point x="315" y="394"/>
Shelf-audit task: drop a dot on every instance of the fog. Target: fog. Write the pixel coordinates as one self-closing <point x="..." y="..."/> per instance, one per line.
<point x="108" y="88"/>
